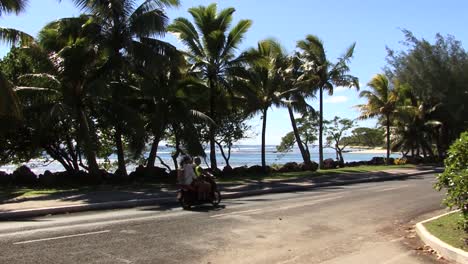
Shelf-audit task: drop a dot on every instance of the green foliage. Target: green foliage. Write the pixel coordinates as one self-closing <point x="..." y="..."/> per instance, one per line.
<point x="368" y="137"/>
<point x="434" y="77"/>
<point x="307" y="125"/>
<point x="336" y="130"/>
<point x="455" y="177"/>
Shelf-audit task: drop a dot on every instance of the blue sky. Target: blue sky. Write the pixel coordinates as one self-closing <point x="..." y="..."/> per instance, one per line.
<point x="372" y="24"/>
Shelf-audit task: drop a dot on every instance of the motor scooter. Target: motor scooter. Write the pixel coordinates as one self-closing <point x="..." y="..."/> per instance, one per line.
<point x="187" y="196"/>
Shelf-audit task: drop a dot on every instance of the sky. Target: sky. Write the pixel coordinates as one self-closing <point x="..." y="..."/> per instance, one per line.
<point x="372" y="24"/>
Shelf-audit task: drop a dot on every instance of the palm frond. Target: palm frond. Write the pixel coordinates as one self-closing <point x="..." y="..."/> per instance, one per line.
<point x="14" y="37"/>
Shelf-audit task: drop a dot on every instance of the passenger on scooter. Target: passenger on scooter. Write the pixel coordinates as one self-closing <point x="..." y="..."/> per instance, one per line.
<point x="192" y="181"/>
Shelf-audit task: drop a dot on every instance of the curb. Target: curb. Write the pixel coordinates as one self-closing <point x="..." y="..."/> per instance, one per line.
<point x="27" y="213"/>
<point x="447" y="251"/>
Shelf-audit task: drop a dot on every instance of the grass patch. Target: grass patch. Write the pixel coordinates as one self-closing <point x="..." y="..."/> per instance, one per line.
<point x="447" y="229"/>
<point x="302" y="174"/>
<point x="10" y="192"/>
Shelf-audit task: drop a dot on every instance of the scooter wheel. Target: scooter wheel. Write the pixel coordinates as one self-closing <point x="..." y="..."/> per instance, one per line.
<point x="216" y="198"/>
<point x="183" y="202"/>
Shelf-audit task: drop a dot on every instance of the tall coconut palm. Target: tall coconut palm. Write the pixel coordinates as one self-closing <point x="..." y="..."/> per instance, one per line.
<point x="328" y="74"/>
<point x="294" y="77"/>
<point x="75" y="61"/>
<point x="382" y="100"/>
<point x="211" y="47"/>
<point x="264" y="82"/>
<point x="123" y="27"/>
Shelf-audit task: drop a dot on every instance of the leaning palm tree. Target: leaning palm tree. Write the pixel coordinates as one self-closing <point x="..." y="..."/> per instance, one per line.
<point x="381" y="102"/>
<point x="211" y="48"/>
<point x="328" y="74"/>
<point x="294" y="77"/>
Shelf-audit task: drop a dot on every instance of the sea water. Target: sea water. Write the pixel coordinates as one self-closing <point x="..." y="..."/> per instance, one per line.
<point x="241" y="155"/>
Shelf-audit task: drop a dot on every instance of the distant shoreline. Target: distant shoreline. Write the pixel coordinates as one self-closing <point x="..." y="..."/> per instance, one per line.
<point x="367" y="150"/>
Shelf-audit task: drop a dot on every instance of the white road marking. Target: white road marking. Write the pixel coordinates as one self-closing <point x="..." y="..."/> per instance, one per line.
<point x="235" y="213"/>
<point x="391" y="189"/>
<point x="272" y="209"/>
<point x="60" y="237"/>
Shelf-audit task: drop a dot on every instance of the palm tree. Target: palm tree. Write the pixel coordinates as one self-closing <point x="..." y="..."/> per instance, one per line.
<point x="75" y="61"/>
<point x="9" y="106"/>
<point x="294" y="77"/>
<point x="212" y="51"/>
<point x="168" y="96"/>
<point x="328" y="74"/>
<point x="123" y="28"/>
<point x="264" y="82"/>
<point x="382" y="102"/>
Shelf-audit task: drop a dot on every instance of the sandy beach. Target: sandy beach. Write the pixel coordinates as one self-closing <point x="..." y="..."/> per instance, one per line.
<point x="369" y="151"/>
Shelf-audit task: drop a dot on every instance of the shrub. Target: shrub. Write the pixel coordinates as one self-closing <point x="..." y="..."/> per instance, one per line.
<point x="455" y="177"/>
<point x="400" y="161"/>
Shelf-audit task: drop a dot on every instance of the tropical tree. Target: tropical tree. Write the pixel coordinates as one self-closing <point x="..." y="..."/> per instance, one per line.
<point x="307" y="128"/>
<point x="123" y="29"/>
<point x="367" y="137"/>
<point x="264" y="83"/>
<point x="328" y="74"/>
<point x="337" y="139"/>
<point x="169" y="98"/>
<point x="381" y="102"/>
<point x="9" y="106"/>
<point x="211" y="48"/>
<point x="436" y="76"/>
<point x="300" y="83"/>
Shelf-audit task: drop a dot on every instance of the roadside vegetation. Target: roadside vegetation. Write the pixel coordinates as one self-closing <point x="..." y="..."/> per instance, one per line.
<point x="447" y="229"/>
<point x="106" y="83"/>
<point x="15" y="192"/>
<point x="455" y="181"/>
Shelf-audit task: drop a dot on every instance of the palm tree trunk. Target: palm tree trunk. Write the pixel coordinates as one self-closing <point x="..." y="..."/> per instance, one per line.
<point x="263" y="137"/>
<point x="88" y="145"/>
<point x="321" y="128"/>
<point x="305" y="155"/>
<point x="214" y="165"/>
<point x="122" y="169"/>
<point x="153" y="152"/>
<point x="388" y="140"/>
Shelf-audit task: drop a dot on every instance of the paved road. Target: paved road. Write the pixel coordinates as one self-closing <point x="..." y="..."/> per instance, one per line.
<point x="362" y="223"/>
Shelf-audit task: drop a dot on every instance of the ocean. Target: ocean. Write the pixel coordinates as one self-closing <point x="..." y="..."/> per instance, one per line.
<point x="241" y="155"/>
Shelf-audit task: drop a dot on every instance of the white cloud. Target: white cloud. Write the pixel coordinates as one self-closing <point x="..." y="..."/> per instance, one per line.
<point x="336" y="99"/>
<point x="340" y="89"/>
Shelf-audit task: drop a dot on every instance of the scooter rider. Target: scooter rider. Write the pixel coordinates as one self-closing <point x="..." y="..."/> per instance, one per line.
<point x="201" y="174"/>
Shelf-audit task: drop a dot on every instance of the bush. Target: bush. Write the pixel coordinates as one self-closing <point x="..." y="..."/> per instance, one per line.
<point x="400" y="161"/>
<point x="455" y="177"/>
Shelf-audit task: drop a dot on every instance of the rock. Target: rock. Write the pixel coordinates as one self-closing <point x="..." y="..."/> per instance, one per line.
<point x="48" y="178"/>
<point x="257" y="169"/>
<point x="377" y="161"/>
<point x="239" y="170"/>
<point x="24" y="175"/>
<point x="5" y="178"/>
<point x="313" y="166"/>
<point x="329" y="164"/>
<point x="290" y="167"/>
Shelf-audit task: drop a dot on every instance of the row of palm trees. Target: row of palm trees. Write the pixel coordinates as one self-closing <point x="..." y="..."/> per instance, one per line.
<point x="103" y="83"/>
<point x="109" y="79"/>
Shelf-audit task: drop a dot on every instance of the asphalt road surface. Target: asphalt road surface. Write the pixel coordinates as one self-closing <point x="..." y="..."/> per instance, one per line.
<point x="361" y="223"/>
